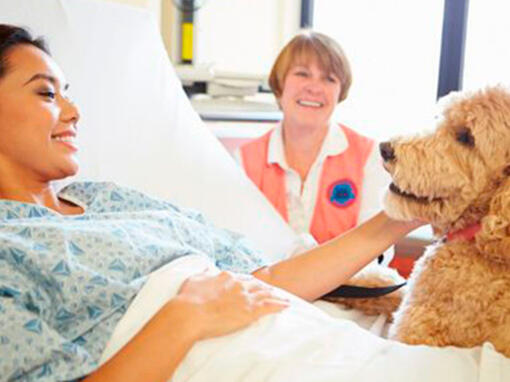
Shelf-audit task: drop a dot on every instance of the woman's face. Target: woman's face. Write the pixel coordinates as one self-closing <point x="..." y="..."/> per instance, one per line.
<point x="37" y="121"/>
<point x="309" y="94"/>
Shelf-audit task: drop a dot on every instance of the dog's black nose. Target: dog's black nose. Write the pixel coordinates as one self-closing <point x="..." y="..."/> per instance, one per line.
<point x="387" y="151"/>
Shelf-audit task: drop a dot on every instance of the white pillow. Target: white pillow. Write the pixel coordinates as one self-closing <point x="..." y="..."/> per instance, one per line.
<point x="137" y="126"/>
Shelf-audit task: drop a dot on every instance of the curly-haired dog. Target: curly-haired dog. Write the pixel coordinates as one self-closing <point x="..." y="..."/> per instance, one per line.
<point x="458" y="179"/>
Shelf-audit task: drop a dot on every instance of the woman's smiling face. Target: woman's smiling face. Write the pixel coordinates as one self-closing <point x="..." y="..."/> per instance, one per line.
<point x="37" y="121"/>
<point x="309" y="94"/>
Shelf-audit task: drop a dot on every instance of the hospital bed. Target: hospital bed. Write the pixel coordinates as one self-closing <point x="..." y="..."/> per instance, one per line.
<point x="138" y="129"/>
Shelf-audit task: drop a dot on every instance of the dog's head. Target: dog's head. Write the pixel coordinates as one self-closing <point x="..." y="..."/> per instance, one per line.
<point x="449" y="177"/>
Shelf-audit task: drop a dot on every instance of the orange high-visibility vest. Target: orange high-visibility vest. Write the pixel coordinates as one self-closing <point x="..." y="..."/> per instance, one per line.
<point x="338" y="200"/>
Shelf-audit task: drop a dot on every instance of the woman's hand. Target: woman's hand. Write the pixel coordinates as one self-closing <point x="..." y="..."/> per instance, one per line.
<point x="225" y="303"/>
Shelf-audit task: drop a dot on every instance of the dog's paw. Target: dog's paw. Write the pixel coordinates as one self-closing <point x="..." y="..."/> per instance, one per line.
<point x="374" y="277"/>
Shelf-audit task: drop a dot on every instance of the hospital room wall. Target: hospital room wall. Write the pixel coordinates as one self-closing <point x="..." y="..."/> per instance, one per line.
<point x="152" y="5"/>
<point x="232" y="34"/>
<point x="237" y="35"/>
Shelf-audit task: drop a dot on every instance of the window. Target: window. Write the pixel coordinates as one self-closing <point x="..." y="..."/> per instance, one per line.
<point x="487" y="57"/>
<point x="394" y="48"/>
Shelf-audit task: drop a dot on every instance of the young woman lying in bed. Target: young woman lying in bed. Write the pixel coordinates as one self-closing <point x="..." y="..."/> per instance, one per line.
<point x="72" y="262"/>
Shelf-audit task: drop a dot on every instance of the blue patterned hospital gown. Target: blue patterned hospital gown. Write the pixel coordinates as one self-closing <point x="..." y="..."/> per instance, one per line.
<point x="65" y="281"/>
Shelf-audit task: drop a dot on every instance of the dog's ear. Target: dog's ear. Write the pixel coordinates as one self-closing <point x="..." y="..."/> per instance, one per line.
<point x="493" y="240"/>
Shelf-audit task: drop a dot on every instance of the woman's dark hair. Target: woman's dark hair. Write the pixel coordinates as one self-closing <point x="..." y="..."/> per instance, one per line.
<point x="11" y="36"/>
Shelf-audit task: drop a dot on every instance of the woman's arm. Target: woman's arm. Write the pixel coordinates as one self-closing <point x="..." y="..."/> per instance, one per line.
<point x="324" y="268"/>
<point x="166" y="338"/>
<point x="205" y="307"/>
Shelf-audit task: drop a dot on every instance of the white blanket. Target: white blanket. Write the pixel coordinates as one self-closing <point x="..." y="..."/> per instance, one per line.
<point x="303" y="343"/>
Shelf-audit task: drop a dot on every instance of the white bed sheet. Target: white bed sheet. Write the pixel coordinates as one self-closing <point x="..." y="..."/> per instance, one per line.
<point x="303" y="343"/>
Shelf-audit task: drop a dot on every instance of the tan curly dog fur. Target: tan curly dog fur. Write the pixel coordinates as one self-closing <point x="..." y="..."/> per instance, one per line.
<point x="459" y="291"/>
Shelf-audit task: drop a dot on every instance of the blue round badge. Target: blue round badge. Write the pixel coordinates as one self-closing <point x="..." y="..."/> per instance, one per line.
<point x="342" y="193"/>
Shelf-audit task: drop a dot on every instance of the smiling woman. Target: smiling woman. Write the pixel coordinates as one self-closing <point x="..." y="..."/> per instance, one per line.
<point x="322" y="177"/>
<point x="33" y="98"/>
<point x="59" y="299"/>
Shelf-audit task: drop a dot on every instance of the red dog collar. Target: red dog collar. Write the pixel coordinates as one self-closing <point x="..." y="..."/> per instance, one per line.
<point x="467" y="233"/>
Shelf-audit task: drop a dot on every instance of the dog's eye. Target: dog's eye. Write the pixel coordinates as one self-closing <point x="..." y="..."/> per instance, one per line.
<point x="464" y="136"/>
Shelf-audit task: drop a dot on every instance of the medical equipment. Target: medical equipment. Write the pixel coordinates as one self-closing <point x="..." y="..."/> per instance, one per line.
<point x="206" y="78"/>
<point x="187" y="8"/>
<point x="225" y="95"/>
